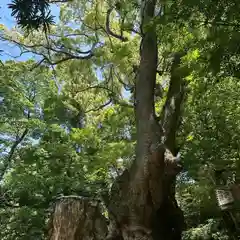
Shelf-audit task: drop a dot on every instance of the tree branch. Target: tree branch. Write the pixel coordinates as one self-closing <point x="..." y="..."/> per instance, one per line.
<point x="95" y="87"/>
<point x="7" y="161"/>
<point x="109" y="31"/>
<point x="69" y="56"/>
<point x="99" y="107"/>
<point x="170" y="115"/>
<point x="70" y="35"/>
<point x="113" y="99"/>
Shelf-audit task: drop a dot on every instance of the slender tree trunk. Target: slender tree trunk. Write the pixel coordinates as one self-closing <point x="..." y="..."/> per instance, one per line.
<point x="142" y="204"/>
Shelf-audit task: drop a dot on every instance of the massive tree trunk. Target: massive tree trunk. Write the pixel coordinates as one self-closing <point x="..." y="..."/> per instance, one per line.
<point x="142" y="204"/>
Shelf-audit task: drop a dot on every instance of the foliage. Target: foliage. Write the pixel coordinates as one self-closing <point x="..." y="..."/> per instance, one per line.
<point x="209" y="230"/>
<point x="67" y="121"/>
<point x="32" y="14"/>
<point x="55" y="157"/>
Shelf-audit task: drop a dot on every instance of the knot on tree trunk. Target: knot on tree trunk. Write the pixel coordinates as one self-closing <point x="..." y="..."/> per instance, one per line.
<point x="77" y="218"/>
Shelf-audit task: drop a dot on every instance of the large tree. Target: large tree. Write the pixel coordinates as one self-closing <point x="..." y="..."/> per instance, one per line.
<point x="142" y="201"/>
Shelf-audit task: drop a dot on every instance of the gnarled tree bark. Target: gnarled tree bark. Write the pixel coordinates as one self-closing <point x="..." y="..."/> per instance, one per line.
<point x="77" y="218"/>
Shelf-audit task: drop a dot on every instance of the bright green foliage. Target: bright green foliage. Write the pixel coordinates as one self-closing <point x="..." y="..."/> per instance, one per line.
<point x="57" y="156"/>
<point x="80" y="126"/>
<point x="215" y="118"/>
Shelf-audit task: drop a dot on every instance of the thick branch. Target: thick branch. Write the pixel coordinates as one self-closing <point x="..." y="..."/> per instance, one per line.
<point x="171" y="112"/>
